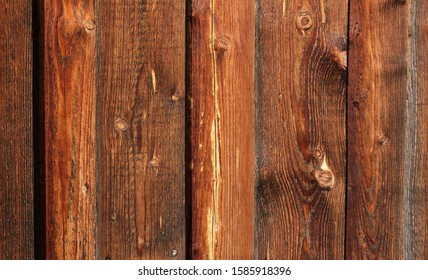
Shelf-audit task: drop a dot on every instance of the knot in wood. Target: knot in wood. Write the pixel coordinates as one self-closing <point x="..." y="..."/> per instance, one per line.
<point x="381" y="139"/>
<point x="88" y="25"/>
<point x="221" y="44"/>
<point x="120" y="125"/>
<point x="317" y="157"/>
<point x="85" y="188"/>
<point x="324" y="178"/>
<point x="154" y="162"/>
<point x="176" y="95"/>
<point x="317" y="154"/>
<point x="304" y="21"/>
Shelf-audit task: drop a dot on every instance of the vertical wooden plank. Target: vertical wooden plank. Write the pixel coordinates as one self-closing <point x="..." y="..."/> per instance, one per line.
<point x="301" y="129"/>
<point x="69" y="93"/>
<point x="417" y="248"/>
<point x="381" y="94"/>
<point x="388" y="145"/>
<point x="16" y="144"/>
<point x="222" y="128"/>
<point x="140" y="126"/>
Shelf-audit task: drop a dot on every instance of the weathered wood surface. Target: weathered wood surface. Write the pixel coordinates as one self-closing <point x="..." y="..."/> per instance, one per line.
<point x="387" y="140"/>
<point x="140" y="129"/>
<point x="301" y="135"/>
<point x="289" y="153"/>
<point x="16" y="144"/>
<point x="416" y="244"/>
<point x="221" y="104"/>
<point x="69" y="92"/>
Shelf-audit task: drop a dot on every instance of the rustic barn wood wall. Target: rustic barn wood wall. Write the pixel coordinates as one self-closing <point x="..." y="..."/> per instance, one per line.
<point x="213" y="129"/>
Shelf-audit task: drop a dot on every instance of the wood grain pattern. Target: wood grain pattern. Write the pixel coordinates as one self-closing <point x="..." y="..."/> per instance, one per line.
<point x="283" y="152"/>
<point x="69" y="94"/>
<point x="417" y="247"/>
<point x="381" y="111"/>
<point x="140" y="129"/>
<point x="222" y="128"/>
<point x="16" y="144"/>
<point x="301" y="136"/>
<point x="388" y="144"/>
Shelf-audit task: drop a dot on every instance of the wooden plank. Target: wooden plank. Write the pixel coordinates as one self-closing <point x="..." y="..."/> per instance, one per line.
<point x="301" y="135"/>
<point x="378" y="192"/>
<point x="16" y="142"/>
<point x="69" y="93"/>
<point x="416" y="247"/>
<point x="140" y="129"/>
<point x="222" y="128"/>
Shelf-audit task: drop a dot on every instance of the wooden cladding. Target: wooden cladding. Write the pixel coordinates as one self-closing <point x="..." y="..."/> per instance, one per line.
<point x="222" y="159"/>
<point x="212" y="129"/>
<point x="16" y="137"/>
<point x="301" y="129"/>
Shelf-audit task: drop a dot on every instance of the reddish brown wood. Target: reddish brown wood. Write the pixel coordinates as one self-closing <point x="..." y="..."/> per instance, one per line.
<point x="140" y="129"/>
<point x="16" y="144"/>
<point x="301" y="136"/>
<point x="387" y="157"/>
<point x="69" y="93"/>
<point x="222" y="128"/>
<point x="378" y="88"/>
<point x="268" y="166"/>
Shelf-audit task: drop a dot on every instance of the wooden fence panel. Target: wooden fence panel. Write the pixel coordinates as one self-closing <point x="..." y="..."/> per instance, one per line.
<point x="68" y="65"/>
<point x="222" y="128"/>
<point x="380" y="130"/>
<point x="127" y="132"/>
<point x="16" y="122"/>
<point x="140" y="129"/>
<point x="301" y="133"/>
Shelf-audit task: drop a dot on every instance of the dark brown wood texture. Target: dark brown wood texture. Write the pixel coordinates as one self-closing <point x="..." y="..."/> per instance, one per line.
<point x="301" y="140"/>
<point x="125" y="136"/>
<point x="222" y="128"/>
<point x="140" y="129"/>
<point x="378" y="88"/>
<point x="69" y="94"/>
<point x="416" y="242"/>
<point x="387" y="140"/>
<point x="16" y="144"/>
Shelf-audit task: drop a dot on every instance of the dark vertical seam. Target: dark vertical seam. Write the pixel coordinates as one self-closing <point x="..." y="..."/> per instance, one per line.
<point x="256" y="116"/>
<point x="97" y="148"/>
<point x="188" y="126"/>
<point x="347" y="126"/>
<point x="39" y="144"/>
